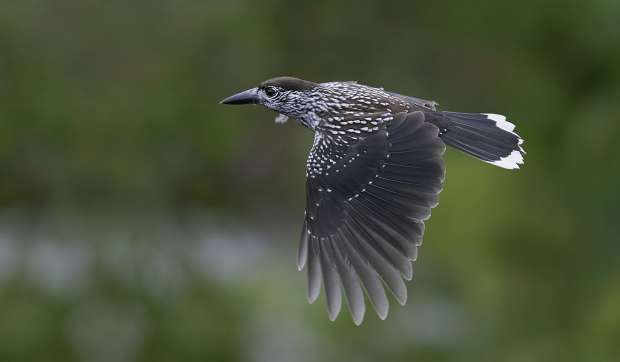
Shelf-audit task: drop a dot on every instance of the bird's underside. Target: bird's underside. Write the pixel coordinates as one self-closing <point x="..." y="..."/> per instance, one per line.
<point x="374" y="173"/>
<point x="366" y="206"/>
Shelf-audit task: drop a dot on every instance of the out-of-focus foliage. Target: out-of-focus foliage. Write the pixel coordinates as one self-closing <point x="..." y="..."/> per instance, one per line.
<point x="142" y="221"/>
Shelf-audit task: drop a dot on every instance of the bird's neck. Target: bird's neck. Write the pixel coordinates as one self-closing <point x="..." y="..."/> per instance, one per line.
<point x="310" y="120"/>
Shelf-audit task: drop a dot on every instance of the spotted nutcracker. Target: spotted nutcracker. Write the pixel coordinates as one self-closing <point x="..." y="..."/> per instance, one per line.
<point x="374" y="172"/>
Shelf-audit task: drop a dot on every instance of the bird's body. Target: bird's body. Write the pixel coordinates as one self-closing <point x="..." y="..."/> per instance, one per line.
<point x="374" y="172"/>
<point x="326" y="106"/>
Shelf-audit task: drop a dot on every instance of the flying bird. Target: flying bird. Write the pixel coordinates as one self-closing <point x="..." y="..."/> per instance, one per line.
<point x="373" y="174"/>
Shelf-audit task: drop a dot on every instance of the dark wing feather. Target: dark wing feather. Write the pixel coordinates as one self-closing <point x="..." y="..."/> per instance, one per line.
<point x="367" y="199"/>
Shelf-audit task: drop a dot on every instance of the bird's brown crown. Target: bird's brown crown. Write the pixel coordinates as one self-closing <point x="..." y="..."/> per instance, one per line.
<point x="288" y="83"/>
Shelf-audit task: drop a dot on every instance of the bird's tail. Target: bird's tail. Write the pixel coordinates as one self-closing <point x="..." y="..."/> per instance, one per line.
<point x="488" y="137"/>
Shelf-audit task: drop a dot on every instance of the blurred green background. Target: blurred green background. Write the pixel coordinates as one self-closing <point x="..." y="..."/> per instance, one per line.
<point x="142" y="221"/>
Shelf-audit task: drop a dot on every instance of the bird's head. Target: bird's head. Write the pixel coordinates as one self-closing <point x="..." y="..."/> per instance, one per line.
<point x="285" y="95"/>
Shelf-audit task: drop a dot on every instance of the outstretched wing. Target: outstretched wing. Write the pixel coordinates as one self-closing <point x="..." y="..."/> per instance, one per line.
<point x="367" y="200"/>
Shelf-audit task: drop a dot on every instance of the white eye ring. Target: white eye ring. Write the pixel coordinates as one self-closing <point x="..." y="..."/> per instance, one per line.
<point x="271" y="92"/>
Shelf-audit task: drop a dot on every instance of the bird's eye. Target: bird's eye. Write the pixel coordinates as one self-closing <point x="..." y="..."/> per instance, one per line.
<point x="271" y="92"/>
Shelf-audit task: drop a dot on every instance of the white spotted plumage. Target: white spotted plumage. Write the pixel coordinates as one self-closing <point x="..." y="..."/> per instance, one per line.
<point x="374" y="173"/>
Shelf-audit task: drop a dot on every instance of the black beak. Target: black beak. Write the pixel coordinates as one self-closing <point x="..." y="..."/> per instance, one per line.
<point x="249" y="96"/>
